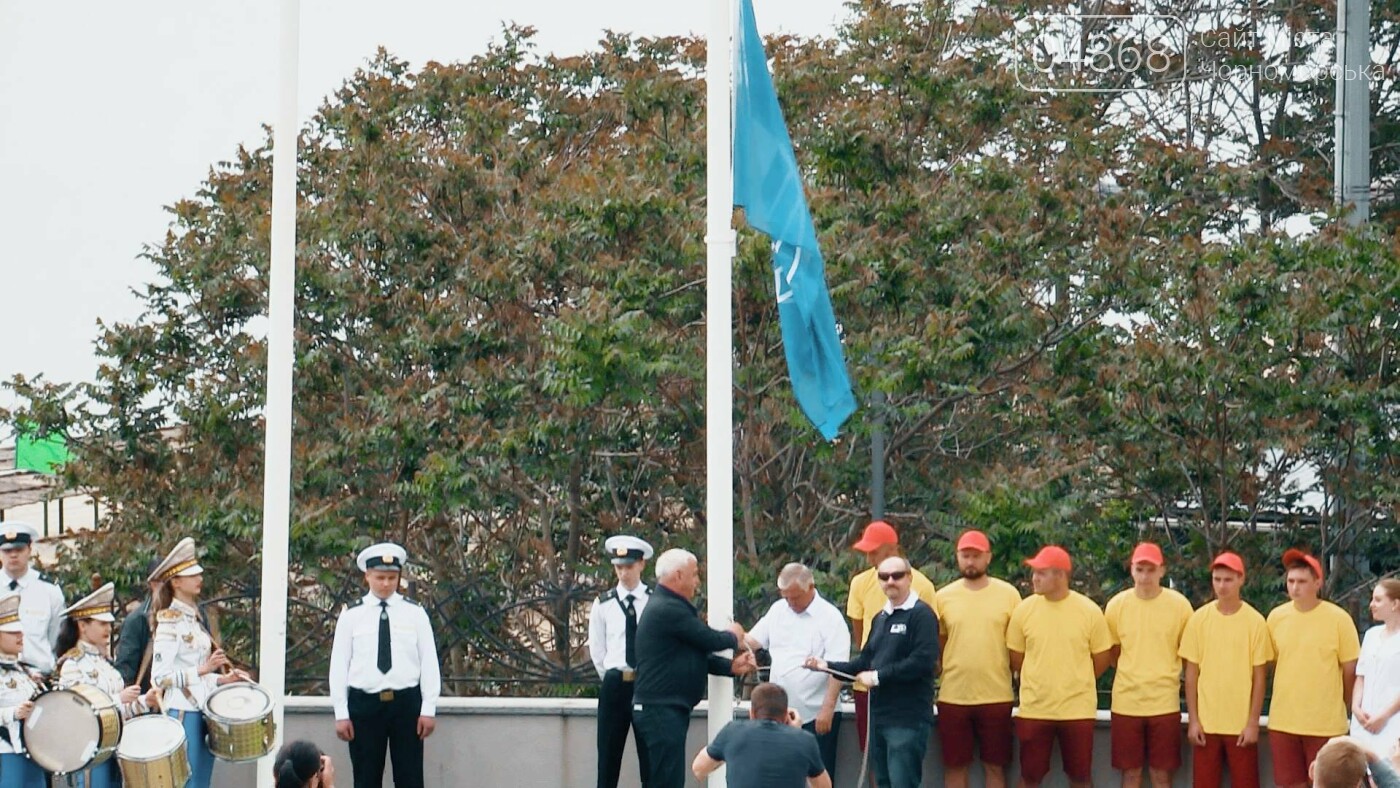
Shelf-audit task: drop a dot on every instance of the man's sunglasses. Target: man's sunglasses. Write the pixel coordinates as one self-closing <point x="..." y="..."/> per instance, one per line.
<point x="888" y="576"/>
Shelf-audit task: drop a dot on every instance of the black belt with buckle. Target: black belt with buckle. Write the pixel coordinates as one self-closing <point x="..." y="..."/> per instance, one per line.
<point x="629" y="676"/>
<point x="383" y="696"/>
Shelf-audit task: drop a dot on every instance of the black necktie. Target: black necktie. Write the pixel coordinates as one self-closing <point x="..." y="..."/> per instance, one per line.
<point x="14" y="584"/>
<point x="631" y="611"/>
<point x="386" y="656"/>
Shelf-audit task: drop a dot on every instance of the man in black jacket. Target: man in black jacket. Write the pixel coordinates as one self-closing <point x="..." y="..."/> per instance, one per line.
<point x="135" y="634"/>
<point x="675" y="653"/>
<point x="897" y="664"/>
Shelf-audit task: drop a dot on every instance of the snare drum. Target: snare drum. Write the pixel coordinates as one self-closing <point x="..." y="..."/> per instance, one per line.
<point x="239" y="720"/>
<point x="152" y="753"/>
<point x="72" y="729"/>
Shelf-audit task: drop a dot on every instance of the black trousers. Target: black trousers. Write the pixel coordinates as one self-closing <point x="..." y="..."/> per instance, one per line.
<point x="614" y="720"/>
<point x="662" y="729"/>
<point x="386" y="724"/>
<point x="827" y="743"/>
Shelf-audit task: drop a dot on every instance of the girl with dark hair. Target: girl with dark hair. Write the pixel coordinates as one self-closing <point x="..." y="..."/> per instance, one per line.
<point x="185" y="665"/>
<point x="83" y="651"/>
<point x="301" y="764"/>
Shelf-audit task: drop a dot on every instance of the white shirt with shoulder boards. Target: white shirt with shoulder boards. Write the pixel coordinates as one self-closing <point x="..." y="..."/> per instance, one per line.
<point x="607" y="627"/>
<point x="41" y="609"/>
<point x="355" y="653"/>
<point x="17" y="685"/>
<point x="818" y="631"/>
<point x="84" y="664"/>
<point x="179" y="646"/>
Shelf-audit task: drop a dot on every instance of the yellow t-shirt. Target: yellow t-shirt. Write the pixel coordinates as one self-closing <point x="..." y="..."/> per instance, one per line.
<point x="1147" y="682"/>
<point x="1227" y="649"/>
<point x="1059" y="640"/>
<point x="976" y="669"/>
<point x="866" y="600"/>
<point x="1311" y="648"/>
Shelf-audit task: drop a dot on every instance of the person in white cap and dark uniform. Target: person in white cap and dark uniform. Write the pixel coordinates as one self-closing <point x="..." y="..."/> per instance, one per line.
<point x="384" y="679"/>
<point x="612" y="643"/>
<point x="19" y="683"/>
<point x="83" y="649"/>
<point x="185" y="661"/>
<point x="41" y="601"/>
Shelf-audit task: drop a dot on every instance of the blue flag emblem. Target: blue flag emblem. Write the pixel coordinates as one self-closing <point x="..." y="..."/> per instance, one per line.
<point x="769" y="187"/>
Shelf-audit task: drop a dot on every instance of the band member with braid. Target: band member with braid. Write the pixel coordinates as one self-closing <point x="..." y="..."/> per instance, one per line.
<point x="83" y="649"/>
<point x="185" y="664"/>
<point x="19" y="684"/>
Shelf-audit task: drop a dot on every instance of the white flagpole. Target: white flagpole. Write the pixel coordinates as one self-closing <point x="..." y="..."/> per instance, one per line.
<point x="719" y="351"/>
<point x="277" y="474"/>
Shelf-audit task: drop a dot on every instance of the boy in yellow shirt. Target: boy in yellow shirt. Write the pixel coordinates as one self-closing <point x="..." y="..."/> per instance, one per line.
<point x="1317" y="647"/>
<point x="974" y="697"/>
<point x="1227" y="650"/>
<point x="865" y="601"/>
<point x="1145" y="623"/>
<point x="1058" y="640"/>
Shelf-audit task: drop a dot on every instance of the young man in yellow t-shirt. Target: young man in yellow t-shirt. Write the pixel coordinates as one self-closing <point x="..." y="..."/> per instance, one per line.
<point x="1145" y="623"/>
<point x="1227" y="650"/>
<point x="1058" y="640"/>
<point x="1317" y="647"/>
<point x="974" y="696"/>
<point x="866" y="599"/>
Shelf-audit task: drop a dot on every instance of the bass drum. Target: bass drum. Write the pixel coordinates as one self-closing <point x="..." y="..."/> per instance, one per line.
<point x="72" y="729"/>
<point x="152" y="753"/>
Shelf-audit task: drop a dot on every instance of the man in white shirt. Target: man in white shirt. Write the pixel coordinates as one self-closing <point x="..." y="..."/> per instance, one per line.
<point x="612" y="636"/>
<point x="41" y="602"/>
<point x="800" y="625"/>
<point x="385" y="679"/>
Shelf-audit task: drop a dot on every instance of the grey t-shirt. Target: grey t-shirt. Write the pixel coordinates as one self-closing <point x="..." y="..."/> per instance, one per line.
<point x="767" y="754"/>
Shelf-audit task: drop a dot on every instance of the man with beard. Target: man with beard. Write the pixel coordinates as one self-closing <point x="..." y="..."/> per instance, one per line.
<point x="974" y="697"/>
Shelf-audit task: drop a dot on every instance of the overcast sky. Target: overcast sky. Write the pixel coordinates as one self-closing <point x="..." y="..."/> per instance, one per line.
<point x="111" y="110"/>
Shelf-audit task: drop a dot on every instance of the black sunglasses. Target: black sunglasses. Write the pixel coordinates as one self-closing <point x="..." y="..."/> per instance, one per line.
<point x="887" y="576"/>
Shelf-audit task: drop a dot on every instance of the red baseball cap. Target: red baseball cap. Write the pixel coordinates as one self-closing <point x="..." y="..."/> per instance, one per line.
<point x="876" y="534"/>
<point x="1050" y="557"/>
<point x="1147" y="552"/>
<point x="974" y="540"/>
<point x="1294" y="556"/>
<point x="1229" y="561"/>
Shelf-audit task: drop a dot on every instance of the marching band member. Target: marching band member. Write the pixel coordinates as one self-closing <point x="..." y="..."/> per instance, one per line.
<point x="184" y="664"/>
<point x="18" y="686"/>
<point x="83" y="646"/>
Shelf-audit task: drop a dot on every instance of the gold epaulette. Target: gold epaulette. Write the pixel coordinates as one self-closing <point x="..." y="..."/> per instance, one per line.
<point x="75" y="652"/>
<point x="168" y="616"/>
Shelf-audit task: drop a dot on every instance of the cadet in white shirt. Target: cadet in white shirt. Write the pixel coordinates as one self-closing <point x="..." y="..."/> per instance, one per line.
<point x="185" y="661"/>
<point x="385" y="678"/>
<point x="18" y="687"/>
<point x="800" y="625"/>
<point x="41" y="602"/>
<point x="612" y="635"/>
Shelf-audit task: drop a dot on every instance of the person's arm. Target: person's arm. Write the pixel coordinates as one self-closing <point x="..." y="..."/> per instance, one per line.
<point x="1104" y="659"/>
<point x="822" y="780"/>
<point x="1250" y="734"/>
<point x="597" y="637"/>
<point x="691" y="630"/>
<point x="1348" y="681"/>
<point x="339" y="678"/>
<point x="1382" y="771"/>
<point x="1195" y="734"/>
<point x="163" y="672"/>
<point x="704" y="764"/>
<point x="56" y="608"/>
<point x="857" y="631"/>
<point x="429" y="672"/>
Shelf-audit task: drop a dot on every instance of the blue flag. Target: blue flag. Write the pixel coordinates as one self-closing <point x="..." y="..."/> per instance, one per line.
<point x="768" y="186"/>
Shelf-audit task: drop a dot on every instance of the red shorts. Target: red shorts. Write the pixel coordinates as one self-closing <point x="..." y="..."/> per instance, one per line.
<point x="1220" y="749"/>
<point x="1154" y="742"/>
<point x="962" y="730"/>
<point x="1038" y="737"/>
<point x="1292" y="753"/>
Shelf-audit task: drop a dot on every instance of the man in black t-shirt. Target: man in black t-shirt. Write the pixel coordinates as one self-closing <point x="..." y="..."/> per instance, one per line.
<point x="768" y="750"/>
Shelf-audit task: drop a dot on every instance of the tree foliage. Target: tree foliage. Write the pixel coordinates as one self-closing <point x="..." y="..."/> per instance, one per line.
<point x="500" y="340"/>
